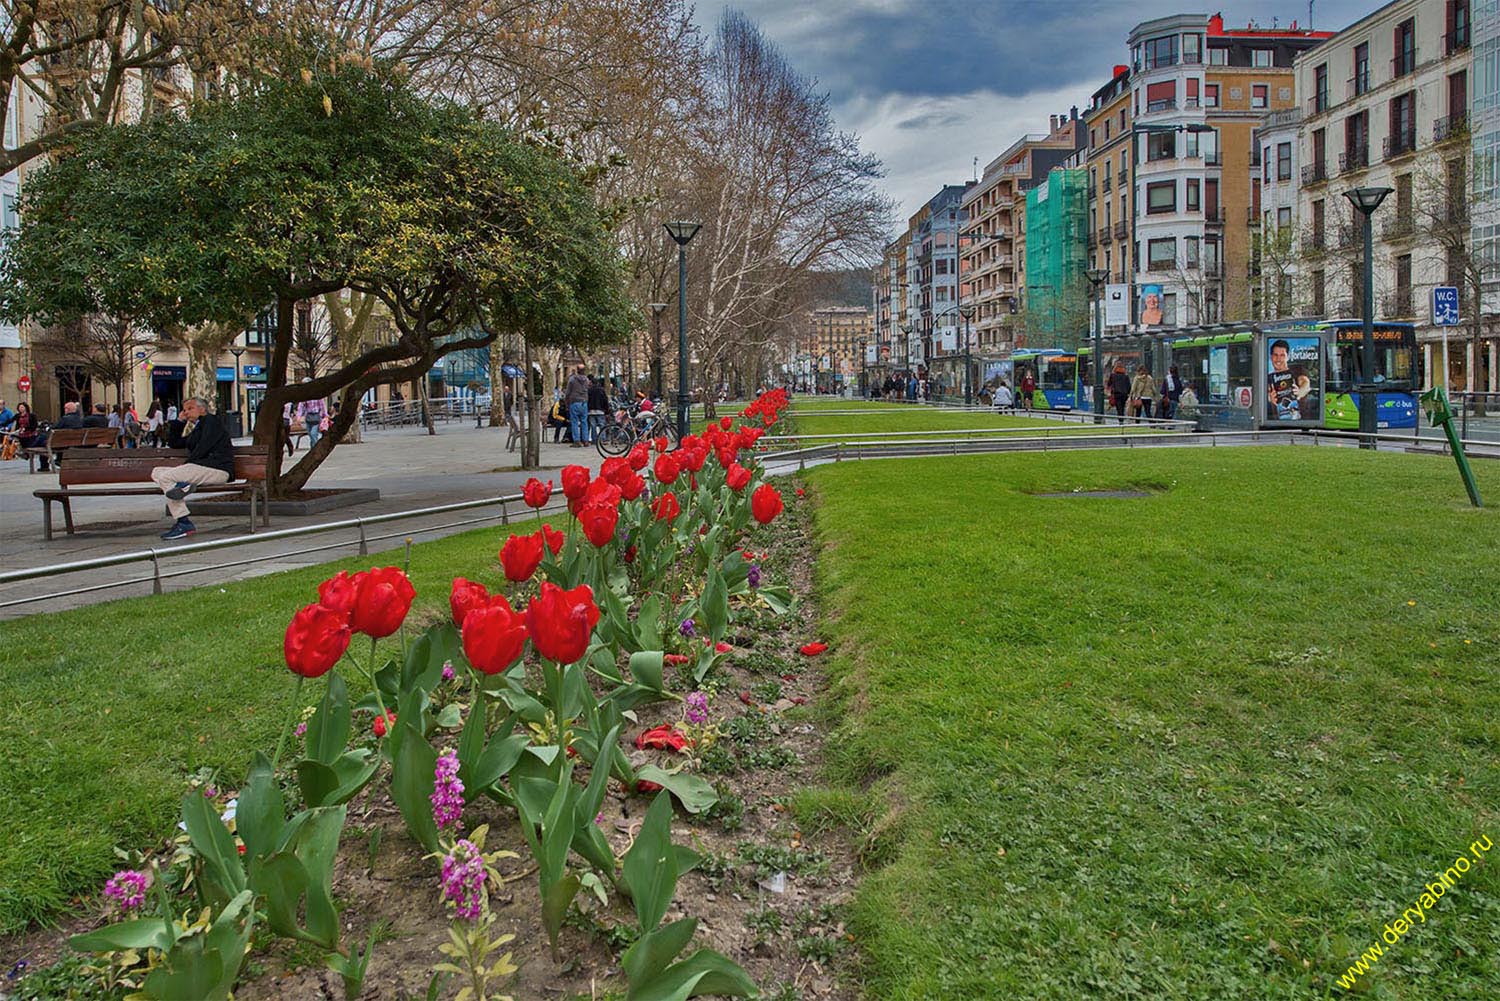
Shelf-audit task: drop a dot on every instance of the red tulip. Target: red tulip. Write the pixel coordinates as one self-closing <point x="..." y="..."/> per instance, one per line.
<point x="660" y="441"/>
<point x="494" y="636"/>
<point x="315" y="639"/>
<point x="467" y="595"/>
<point x="693" y="459"/>
<point x="575" y="480"/>
<point x="725" y="422"/>
<point x="630" y="555"/>
<point x="667" y="467"/>
<point x="601" y="493"/>
<point x="813" y="649"/>
<point x="673" y="659"/>
<point x="520" y="556"/>
<point x="385" y="596"/>
<point x="666" y="507"/>
<point x="727" y="456"/>
<point x="384" y="724"/>
<point x="561" y="622"/>
<point x="633" y="487"/>
<point x="554" y="539"/>
<point x="599" y="521"/>
<point x="663" y="738"/>
<point x="800" y="492"/>
<point x="737" y="476"/>
<point x="536" y="493"/>
<point x="646" y="785"/>
<point x="337" y="593"/>
<point x="639" y="457"/>
<point x="765" y="503"/>
<point x="615" y="470"/>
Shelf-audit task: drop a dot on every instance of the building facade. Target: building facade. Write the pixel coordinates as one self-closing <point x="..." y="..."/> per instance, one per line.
<point x="836" y="337"/>
<point x="1275" y="166"/>
<point x="932" y="278"/>
<point x="1199" y="91"/>
<point x="1386" y="104"/>
<point x="1056" y="302"/>
<point x="1107" y="229"/>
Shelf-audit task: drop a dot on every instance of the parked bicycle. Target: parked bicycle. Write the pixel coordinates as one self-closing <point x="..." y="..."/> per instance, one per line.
<point x="628" y="425"/>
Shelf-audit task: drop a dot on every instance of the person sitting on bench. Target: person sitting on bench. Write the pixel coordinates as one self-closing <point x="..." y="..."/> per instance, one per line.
<point x="210" y="461"/>
<point x="71" y="418"/>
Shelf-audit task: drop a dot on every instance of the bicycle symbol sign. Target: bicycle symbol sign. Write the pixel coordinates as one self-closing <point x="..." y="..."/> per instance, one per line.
<point x="1445" y="306"/>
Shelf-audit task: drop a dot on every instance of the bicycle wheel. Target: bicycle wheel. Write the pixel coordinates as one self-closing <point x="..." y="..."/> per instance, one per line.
<point x="614" y="440"/>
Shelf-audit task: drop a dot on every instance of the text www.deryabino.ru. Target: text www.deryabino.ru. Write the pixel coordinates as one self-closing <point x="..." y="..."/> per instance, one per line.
<point x="1446" y="880"/>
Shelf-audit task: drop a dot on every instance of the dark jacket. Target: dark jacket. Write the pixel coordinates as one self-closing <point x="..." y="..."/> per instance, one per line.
<point x="73" y="421"/>
<point x="598" y="398"/>
<point x="96" y="421"/>
<point x="577" y="389"/>
<point x="1119" y="384"/>
<point x="208" y="445"/>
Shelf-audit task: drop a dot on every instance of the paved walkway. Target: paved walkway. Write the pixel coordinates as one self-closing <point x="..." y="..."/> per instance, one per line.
<point x="410" y="469"/>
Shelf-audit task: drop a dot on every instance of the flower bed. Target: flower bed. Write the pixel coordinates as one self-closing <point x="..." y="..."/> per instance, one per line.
<point x="505" y="752"/>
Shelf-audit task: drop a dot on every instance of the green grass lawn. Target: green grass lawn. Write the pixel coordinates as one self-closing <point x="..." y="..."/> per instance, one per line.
<point x="109" y="708"/>
<point x="880" y="418"/>
<point x="1204" y="744"/>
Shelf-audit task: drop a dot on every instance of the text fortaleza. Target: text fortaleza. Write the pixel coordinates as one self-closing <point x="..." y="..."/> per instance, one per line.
<point x="1393" y="931"/>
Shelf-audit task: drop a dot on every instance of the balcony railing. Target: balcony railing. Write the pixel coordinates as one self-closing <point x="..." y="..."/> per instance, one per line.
<point x="1122" y="176"/>
<point x="1107" y="181"/>
<point x="1354" y="159"/>
<point x="1191" y="102"/>
<point x="1397" y="304"/>
<point x="1398" y="227"/>
<point x="1399" y="144"/>
<point x="1214" y="216"/>
<point x="1161" y="104"/>
<point x="1103" y="234"/>
<point x="1161" y="265"/>
<point x="1452" y="127"/>
<point x="1093" y="239"/>
<point x="1214" y="159"/>
<point x="1318" y="103"/>
<point x="1404" y="63"/>
<point x="1455" y="41"/>
<point x="1252" y="217"/>
<point x="1122" y="230"/>
<point x="1314" y="172"/>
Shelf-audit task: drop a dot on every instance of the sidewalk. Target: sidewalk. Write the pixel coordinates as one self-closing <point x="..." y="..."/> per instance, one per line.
<point x="410" y="469"/>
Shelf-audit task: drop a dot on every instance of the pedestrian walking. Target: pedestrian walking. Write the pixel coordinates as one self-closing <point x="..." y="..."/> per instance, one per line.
<point x="1119" y="390"/>
<point x="1171" y="392"/>
<point x="1027" y="385"/>
<point x="1003" y="398"/>
<point x="576" y="400"/>
<point x="598" y="408"/>
<point x="314" y="416"/>
<point x="1143" y="392"/>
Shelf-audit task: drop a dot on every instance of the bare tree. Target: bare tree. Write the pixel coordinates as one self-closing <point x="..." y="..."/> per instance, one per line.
<point x="1442" y="205"/>
<point x="104" y="347"/>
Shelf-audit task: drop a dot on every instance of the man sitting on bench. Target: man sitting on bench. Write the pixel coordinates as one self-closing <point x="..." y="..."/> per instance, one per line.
<point x="210" y="461"/>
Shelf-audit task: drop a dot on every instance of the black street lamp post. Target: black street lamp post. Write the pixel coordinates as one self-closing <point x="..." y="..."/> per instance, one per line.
<point x="864" y="389"/>
<point x="1366" y="201"/>
<point x="1096" y="278"/>
<point x="682" y="232"/>
<point x="967" y="312"/>
<point x="238" y="349"/>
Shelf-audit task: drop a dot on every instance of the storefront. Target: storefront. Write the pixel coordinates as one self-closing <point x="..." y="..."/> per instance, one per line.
<point x="167" y="384"/>
<point x="254" y="387"/>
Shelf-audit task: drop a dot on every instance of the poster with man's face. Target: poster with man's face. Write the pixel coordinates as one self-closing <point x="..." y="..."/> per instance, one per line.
<point x="1294" y="379"/>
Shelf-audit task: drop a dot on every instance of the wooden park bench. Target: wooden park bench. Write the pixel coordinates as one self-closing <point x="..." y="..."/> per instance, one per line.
<point x="117" y="466"/>
<point x="61" y="438"/>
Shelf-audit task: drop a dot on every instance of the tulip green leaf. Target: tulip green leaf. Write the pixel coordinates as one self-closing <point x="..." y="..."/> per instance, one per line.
<point x="715" y="605"/>
<point x="646" y="669"/>
<point x="223" y="874"/>
<point x="654" y="951"/>
<point x="778" y="597"/>
<point x="328" y="730"/>
<point x="692" y="791"/>
<point x="412" y="783"/>
<point x="650" y="865"/>
<point x="648" y="624"/>
<point x="261" y="813"/>
<point x="206" y="966"/>
<point x="450" y="717"/>
<point x="141" y="933"/>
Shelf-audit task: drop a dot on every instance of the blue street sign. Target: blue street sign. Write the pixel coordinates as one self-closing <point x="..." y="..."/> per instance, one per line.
<point x="1445" y="306"/>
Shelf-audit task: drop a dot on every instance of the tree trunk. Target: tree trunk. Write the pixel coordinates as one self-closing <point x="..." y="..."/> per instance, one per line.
<point x="497" y="384"/>
<point x="270" y="434"/>
<point x="531" y="442"/>
<point x="424" y="395"/>
<point x="296" y="478"/>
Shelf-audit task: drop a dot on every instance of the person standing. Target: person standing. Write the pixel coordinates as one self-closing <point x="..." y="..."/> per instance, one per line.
<point x="154" y="420"/>
<point x="7" y="416"/>
<point x="598" y="408"/>
<point x="1119" y="390"/>
<point x="210" y="461"/>
<point x="1171" y="392"/>
<point x="313" y="415"/>
<point x="576" y="400"/>
<point x="1028" y="389"/>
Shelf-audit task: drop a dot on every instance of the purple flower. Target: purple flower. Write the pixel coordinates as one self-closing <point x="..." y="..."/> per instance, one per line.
<point x="752" y="576"/>
<point x="689" y="628"/>
<point x="301" y="730"/>
<point x="447" y="670"/>
<point x="210" y="792"/>
<point x="697" y="708"/>
<point x="447" y="791"/>
<point x="127" y="888"/>
<point x="599" y="818"/>
<point x="463" y="880"/>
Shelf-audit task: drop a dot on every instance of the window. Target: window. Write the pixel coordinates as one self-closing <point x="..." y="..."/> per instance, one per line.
<point x="8" y="212"/>
<point x="1320" y="220"/>
<point x="1161" y="146"/>
<point x="1161" y="96"/>
<point x="1190" y="251"/>
<point x="1405" y="45"/>
<point x="1169" y="309"/>
<point x="1160" y="52"/>
<point x="1403" y="137"/>
<point x="1193" y="202"/>
<point x="1209" y="143"/>
<point x="1319" y="305"/>
<point x="1259" y="93"/>
<point x="1357" y="141"/>
<point x="1122" y="119"/>
<point x="1265" y="164"/>
<point x="1094" y="138"/>
<point x="1211" y="198"/>
<point x="1260" y="57"/>
<point x="942" y="266"/>
<point x="1106" y="131"/>
<point x="1457" y="38"/>
<point x="1210" y="95"/>
<point x="1403" y="200"/>
<point x="1161" y="255"/>
<point x="1210" y="254"/>
<point x="1284" y="216"/>
<point x="1218" y="57"/>
<point x="1192" y="48"/>
<point x="1361" y="80"/>
<point x="1192" y="93"/>
<point x="1284" y="161"/>
<point x="1320" y="88"/>
<point x="1161" y="197"/>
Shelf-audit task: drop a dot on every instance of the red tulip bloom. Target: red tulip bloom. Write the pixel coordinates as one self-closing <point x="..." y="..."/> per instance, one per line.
<point x="633" y="487"/>
<point x="765" y="503"/>
<point x="385" y="596"/>
<point x="801" y="492"/>
<point x="666" y="507"/>
<point x="599" y="521"/>
<point x="693" y="459"/>
<point x="536" y="493"/>
<point x="727" y="455"/>
<point x="630" y="555"/>
<point x="615" y="470"/>
<point x="467" y="595"/>
<point x="813" y="649"/>
<point x="553" y="538"/>
<point x="315" y="640"/>
<point x="384" y="724"/>
<point x="673" y="659"/>
<point x="737" y="476"/>
<point x="494" y="636"/>
<point x="337" y="592"/>
<point x="520" y="556"/>
<point x="575" y="480"/>
<point x="561" y="622"/>
<point x="639" y="457"/>
<point x="662" y="738"/>
<point x="667" y="467"/>
<point x="660" y="441"/>
<point x="646" y="785"/>
<point x="601" y="493"/>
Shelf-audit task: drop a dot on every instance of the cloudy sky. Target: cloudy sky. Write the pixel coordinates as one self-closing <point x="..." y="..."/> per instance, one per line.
<point x="932" y="84"/>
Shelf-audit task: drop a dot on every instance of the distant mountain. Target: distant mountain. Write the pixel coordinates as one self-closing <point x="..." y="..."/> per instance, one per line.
<point x="848" y="287"/>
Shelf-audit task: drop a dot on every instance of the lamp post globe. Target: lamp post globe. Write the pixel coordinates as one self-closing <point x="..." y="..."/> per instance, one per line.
<point x="682" y="233"/>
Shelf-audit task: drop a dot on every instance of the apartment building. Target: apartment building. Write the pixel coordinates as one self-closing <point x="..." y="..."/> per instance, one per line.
<point x="932" y="322"/>
<point x="889" y="308"/>
<point x="1108" y="123"/>
<point x="835" y="338"/>
<point x="1057" y="295"/>
<point x="1274" y="247"/>
<point x="993" y="255"/>
<point x="1198" y="92"/>
<point x="1386" y="104"/>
